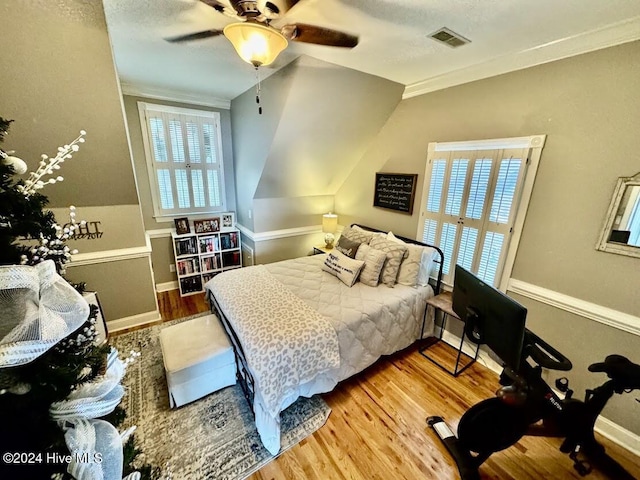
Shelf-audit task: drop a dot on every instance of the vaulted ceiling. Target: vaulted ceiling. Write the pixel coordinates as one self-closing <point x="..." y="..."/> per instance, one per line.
<point x="394" y="40"/>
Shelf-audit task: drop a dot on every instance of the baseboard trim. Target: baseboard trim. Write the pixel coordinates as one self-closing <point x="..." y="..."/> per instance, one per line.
<point x="166" y="286"/>
<point x="608" y="316"/>
<point x="138" y="320"/>
<point x="614" y="432"/>
<point x="483" y="355"/>
<point x="621" y="436"/>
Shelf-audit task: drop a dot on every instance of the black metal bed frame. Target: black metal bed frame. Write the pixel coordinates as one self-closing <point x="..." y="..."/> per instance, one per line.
<point x="243" y="375"/>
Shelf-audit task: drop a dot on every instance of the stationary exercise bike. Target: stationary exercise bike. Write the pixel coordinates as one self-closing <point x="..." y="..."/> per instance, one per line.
<point x="526" y="405"/>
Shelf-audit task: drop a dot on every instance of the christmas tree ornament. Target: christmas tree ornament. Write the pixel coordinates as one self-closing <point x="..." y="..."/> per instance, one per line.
<point x="19" y="166"/>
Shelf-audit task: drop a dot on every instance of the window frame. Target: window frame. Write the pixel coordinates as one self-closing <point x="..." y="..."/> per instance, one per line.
<point x="534" y="144"/>
<point x="159" y="213"/>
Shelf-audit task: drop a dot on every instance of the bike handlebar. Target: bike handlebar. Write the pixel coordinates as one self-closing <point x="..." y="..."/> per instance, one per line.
<point x="544" y="354"/>
<point x="621" y="370"/>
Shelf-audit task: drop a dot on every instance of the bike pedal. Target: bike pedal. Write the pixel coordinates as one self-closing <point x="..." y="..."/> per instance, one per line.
<point x="583" y="468"/>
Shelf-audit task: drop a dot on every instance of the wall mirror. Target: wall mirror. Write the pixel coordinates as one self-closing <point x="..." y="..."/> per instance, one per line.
<point x="621" y="231"/>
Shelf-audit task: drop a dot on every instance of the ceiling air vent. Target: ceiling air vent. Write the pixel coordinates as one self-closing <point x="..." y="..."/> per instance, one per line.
<point x="449" y="37"/>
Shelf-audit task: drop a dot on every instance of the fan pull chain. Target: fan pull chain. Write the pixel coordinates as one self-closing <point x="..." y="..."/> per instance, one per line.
<point x="258" y="90"/>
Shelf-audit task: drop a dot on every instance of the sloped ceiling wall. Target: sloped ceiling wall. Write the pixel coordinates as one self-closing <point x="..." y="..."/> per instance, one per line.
<point x="318" y="120"/>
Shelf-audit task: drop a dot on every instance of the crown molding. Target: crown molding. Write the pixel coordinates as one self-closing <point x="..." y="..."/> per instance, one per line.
<point x="174" y="96"/>
<point x="604" y="37"/>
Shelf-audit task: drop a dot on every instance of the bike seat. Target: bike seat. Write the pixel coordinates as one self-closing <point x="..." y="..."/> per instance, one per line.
<point x="621" y="370"/>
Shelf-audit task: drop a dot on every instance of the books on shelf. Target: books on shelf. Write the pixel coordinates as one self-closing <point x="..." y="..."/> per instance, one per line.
<point x="187" y="266"/>
<point x="201" y="256"/>
<point x="186" y="246"/>
<point x="211" y="263"/>
<point x="229" y="240"/>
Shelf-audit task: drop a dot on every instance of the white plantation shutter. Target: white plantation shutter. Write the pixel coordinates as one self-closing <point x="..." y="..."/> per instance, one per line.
<point x="184" y="159"/>
<point x="471" y="198"/>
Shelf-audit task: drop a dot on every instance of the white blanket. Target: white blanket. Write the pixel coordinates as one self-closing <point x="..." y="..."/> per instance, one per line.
<point x="286" y="343"/>
<point x="368" y="322"/>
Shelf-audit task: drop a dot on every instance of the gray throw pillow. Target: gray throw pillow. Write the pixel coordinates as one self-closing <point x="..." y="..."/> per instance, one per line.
<point x="373" y="262"/>
<point x="395" y="254"/>
<point x="348" y="247"/>
<point x="357" y="234"/>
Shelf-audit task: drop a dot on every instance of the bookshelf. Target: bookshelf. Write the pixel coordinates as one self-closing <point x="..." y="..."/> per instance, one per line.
<point x="201" y="256"/>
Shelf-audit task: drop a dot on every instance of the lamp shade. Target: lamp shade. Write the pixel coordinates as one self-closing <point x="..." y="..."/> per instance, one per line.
<point x="256" y="44"/>
<point x="329" y="223"/>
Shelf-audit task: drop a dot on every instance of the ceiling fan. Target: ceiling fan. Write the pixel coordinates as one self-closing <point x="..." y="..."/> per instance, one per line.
<point x="253" y="37"/>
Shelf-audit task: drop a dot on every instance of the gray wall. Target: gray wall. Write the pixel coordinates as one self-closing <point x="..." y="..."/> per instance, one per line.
<point x="589" y="108"/>
<point x="162" y="255"/>
<point x="58" y="77"/>
<point x="318" y="120"/>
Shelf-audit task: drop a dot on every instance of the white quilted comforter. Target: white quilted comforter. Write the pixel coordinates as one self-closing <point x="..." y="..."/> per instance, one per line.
<point x="368" y="321"/>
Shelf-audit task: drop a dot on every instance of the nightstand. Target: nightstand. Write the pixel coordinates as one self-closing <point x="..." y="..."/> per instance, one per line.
<point x="443" y="303"/>
<point x="317" y="249"/>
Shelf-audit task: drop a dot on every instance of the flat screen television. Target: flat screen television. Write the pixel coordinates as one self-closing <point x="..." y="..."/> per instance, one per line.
<point x="490" y="316"/>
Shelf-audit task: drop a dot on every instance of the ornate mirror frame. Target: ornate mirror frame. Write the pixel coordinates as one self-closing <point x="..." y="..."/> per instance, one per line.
<point x="604" y="244"/>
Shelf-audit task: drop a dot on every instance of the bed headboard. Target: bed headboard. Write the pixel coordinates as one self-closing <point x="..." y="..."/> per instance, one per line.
<point x="439" y="261"/>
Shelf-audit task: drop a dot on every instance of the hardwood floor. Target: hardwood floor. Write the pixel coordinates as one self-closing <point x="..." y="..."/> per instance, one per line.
<point x="377" y="427"/>
<point x="173" y="306"/>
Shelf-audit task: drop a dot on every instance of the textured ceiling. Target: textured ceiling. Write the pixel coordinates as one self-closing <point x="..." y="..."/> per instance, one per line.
<point x="394" y="42"/>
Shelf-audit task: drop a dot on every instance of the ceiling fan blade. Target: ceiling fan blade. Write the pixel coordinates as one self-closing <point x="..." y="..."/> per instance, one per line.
<point x="215" y="4"/>
<point x="194" y="36"/>
<point x="302" y="32"/>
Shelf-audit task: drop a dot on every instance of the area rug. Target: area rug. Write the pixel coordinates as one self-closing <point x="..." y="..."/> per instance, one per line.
<point x="212" y="438"/>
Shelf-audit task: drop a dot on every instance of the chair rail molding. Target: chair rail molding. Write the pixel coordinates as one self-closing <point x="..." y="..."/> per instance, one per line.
<point x="607" y="316"/>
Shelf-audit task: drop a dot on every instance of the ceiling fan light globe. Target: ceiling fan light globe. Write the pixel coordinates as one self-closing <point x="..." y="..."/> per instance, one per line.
<point x="256" y="44"/>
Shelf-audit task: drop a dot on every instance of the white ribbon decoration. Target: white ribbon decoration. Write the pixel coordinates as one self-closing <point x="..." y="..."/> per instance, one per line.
<point x="96" y="445"/>
<point x="38" y="308"/>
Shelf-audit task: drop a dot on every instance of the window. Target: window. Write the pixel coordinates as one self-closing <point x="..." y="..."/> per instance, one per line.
<point x="471" y="200"/>
<point x="184" y="159"/>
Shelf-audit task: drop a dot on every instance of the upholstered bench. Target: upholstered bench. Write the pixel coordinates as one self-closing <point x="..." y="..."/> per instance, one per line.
<point x="198" y="359"/>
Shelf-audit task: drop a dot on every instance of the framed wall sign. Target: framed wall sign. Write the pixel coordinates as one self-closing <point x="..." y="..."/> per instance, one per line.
<point x="395" y="191"/>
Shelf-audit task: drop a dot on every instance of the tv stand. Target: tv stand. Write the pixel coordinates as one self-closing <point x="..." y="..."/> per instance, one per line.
<point x="443" y="303"/>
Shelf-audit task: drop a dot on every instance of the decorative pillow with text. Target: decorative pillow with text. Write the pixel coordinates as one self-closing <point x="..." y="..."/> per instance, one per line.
<point x="345" y="268"/>
<point x="346" y="246"/>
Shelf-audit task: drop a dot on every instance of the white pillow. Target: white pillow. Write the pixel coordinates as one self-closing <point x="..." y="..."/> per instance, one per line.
<point x="373" y="262"/>
<point x="428" y="265"/>
<point x="345" y="268"/>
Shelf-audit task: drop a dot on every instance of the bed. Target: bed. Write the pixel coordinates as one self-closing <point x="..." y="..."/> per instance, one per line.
<point x="298" y="330"/>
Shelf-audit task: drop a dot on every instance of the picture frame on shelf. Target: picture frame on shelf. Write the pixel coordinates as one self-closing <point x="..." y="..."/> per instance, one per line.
<point x="208" y="225"/>
<point x="228" y="220"/>
<point x="182" y="225"/>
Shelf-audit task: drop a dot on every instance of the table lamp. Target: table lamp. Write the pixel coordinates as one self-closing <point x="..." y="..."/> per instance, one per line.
<point x="329" y="227"/>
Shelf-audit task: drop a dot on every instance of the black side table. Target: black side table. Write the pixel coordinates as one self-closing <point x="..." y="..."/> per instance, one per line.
<point x="443" y="303"/>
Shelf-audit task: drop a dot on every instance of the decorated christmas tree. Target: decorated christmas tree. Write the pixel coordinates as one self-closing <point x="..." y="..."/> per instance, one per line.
<point x="59" y="387"/>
